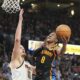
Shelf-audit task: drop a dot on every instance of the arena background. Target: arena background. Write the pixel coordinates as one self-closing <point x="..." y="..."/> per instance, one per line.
<point x="40" y="18"/>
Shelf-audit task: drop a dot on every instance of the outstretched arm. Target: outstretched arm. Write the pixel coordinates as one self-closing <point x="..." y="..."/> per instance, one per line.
<point x="65" y="40"/>
<point x="64" y="44"/>
<point x="18" y="32"/>
<point x="63" y="49"/>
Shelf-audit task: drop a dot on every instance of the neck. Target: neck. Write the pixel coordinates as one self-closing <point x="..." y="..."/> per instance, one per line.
<point x="16" y="62"/>
<point x="21" y="59"/>
<point x="52" y="46"/>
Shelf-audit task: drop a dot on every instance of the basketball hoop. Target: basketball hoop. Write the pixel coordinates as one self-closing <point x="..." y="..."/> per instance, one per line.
<point x="11" y="6"/>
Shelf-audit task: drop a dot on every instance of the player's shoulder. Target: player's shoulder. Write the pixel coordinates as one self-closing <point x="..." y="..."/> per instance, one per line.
<point x="38" y="49"/>
<point x="27" y="63"/>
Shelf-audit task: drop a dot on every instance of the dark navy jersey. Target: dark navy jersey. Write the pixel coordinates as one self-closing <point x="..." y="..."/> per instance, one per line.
<point x="44" y="58"/>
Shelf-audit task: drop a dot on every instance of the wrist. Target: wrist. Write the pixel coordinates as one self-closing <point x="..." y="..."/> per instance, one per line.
<point x="20" y="17"/>
<point x="64" y="43"/>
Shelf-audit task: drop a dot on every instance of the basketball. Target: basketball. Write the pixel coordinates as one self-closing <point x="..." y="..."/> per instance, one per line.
<point x="63" y="30"/>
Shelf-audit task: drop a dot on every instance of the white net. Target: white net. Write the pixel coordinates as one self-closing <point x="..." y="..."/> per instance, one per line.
<point x="11" y="6"/>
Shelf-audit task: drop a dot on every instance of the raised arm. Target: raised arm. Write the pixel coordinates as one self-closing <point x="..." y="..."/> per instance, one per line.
<point x="18" y="32"/>
<point x="62" y="50"/>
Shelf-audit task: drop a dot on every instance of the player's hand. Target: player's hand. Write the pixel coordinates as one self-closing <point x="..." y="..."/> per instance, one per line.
<point x="21" y="14"/>
<point x="65" y="39"/>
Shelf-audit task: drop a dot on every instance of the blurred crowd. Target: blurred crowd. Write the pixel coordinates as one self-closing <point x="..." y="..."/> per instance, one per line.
<point x="36" y="27"/>
<point x="67" y="67"/>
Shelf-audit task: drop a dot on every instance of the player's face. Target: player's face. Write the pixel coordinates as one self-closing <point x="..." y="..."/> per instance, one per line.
<point x="52" y="37"/>
<point x="22" y="51"/>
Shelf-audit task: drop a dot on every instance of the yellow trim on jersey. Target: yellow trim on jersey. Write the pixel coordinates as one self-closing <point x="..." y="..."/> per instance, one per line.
<point x="46" y="52"/>
<point x="50" y="74"/>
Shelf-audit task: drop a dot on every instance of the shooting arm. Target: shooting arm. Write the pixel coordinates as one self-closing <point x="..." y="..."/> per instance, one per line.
<point x="17" y="41"/>
<point x="63" y="49"/>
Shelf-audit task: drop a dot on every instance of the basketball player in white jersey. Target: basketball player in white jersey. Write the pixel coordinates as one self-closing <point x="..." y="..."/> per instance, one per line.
<point x="19" y="68"/>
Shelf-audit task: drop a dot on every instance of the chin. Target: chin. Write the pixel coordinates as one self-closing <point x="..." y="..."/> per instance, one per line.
<point x="48" y="40"/>
<point x="24" y="56"/>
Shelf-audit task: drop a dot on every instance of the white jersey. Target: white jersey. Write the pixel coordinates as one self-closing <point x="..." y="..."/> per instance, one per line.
<point x="22" y="73"/>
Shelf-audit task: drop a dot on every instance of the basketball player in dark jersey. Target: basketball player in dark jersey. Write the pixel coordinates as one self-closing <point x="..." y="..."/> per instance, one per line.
<point x="45" y="55"/>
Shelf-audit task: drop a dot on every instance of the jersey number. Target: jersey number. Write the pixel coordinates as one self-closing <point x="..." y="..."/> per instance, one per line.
<point x="43" y="59"/>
